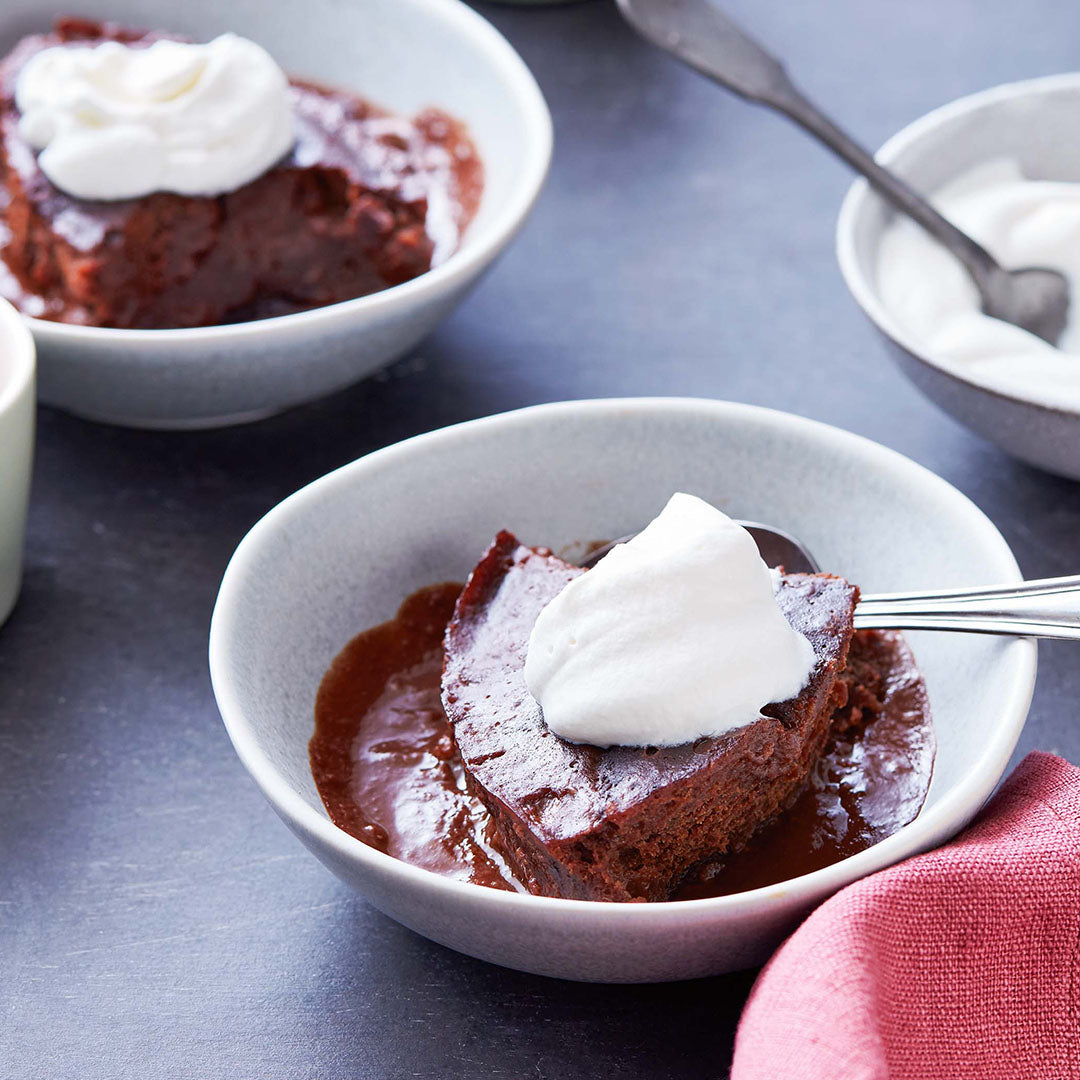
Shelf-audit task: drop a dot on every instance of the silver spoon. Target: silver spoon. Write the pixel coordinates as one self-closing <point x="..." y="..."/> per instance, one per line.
<point x="1049" y="608"/>
<point x="700" y="35"/>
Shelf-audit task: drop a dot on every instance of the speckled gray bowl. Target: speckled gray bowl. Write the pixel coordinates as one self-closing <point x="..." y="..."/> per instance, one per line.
<point x="402" y="54"/>
<point x="341" y="554"/>
<point x="1035" y="123"/>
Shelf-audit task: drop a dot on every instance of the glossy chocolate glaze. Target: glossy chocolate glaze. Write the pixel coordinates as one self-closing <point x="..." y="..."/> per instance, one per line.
<point x="385" y="765"/>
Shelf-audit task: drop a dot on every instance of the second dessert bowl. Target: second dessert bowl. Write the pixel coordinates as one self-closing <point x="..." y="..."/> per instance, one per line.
<point x="401" y="55"/>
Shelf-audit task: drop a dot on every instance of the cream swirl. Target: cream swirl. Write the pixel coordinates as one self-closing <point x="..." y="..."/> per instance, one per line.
<point x="672" y="636"/>
<point x="1021" y="222"/>
<point x="114" y="121"/>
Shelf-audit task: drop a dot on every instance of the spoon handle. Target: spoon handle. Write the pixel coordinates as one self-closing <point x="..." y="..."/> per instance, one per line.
<point x="703" y="37"/>
<point x="1049" y="608"/>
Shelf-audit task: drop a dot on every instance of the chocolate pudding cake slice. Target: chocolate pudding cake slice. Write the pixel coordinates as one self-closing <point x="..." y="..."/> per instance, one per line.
<point x="622" y="823"/>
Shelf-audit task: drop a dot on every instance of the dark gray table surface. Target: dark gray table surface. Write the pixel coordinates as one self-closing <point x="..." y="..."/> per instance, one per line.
<point x="156" y="919"/>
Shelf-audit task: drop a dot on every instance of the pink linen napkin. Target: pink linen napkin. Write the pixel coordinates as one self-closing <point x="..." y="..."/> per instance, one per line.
<point x="961" y="963"/>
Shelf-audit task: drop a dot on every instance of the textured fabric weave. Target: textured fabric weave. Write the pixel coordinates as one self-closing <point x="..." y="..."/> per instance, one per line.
<point x="961" y="963"/>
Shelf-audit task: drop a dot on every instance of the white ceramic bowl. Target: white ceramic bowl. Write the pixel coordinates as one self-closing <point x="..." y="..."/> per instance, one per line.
<point x="402" y="54"/>
<point x="1033" y="122"/>
<point x="341" y="554"/>
<point x="16" y="448"/>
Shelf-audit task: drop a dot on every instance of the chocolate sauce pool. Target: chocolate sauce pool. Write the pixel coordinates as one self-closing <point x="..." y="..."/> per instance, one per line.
<point x="384" y="761"/>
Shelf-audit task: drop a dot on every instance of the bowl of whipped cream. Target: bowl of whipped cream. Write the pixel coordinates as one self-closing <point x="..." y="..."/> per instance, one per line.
<point x="1004" y="166"/>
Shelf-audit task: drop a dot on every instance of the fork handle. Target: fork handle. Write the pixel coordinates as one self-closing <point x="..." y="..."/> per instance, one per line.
<point x="1048" y="608"/>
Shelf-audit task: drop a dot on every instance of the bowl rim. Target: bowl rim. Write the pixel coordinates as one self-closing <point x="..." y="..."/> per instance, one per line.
<point x="462" y="264"/>
<point x="858" y="198"/>
<point x="959" y="803"/>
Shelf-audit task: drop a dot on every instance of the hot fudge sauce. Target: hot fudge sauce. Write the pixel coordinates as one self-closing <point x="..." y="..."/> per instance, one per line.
<point x="385" y="764"/>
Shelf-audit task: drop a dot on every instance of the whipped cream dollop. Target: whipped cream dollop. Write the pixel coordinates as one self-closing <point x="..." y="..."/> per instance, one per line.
<point x="1021" y="222"/>
<point x="672" y="636"/>
<point x="114" y="121"/>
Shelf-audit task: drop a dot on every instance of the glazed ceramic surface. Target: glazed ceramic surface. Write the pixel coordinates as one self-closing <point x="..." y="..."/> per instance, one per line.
<point x="402" y="54"/>
<point x="342" y="553"/>
<point x="16" y="448"/>
<point x="1033" y="122"/>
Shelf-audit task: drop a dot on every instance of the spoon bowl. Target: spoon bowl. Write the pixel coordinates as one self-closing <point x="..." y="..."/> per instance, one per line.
<point x="1035" y="299"/>
<point x="777" y="548"/>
